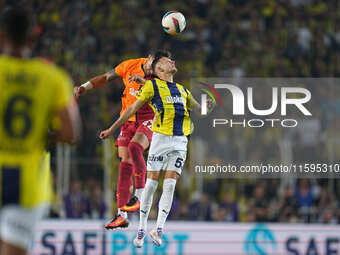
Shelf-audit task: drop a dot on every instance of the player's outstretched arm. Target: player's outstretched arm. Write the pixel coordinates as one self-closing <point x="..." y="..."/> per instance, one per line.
<point x="131" y="110"/>
<point x="196" y="107"/>
<point x="69" y="131"/>
<point x="95" y="82"/>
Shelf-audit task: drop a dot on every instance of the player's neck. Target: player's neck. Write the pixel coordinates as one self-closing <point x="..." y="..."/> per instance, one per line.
<point x="166" y="77"/>
<point x="17" y="52"/>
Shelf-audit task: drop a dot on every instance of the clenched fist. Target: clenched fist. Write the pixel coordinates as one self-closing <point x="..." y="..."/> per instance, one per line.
<point x="78" y="91"/>
<point x="105" y="134"/>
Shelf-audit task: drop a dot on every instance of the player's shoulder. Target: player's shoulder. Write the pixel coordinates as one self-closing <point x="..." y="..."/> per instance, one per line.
<point x="148" y="83"/>
<point x="3" y="59"/>
<point x="50" y="69"/>
<point x="48" y="66"/>
<point x="179" y="85"/>
<point x="139" y="60"/>
<point x="8" y="61"/>
<point x="182" y="88"/>
<point x="135" y="62"/>
<point x="35" y="65"/>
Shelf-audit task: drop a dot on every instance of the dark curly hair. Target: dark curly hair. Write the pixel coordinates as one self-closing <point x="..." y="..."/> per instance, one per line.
<point x="157" y="56"/>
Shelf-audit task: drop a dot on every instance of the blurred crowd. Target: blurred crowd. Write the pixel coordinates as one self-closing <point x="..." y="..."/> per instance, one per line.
<point x="223" y="38"/>
<point x="305" y="201"/>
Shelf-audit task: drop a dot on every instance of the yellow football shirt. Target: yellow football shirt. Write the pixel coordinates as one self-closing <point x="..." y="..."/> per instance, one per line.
<point x="171" y="103"/>
<point x="32" y="92"/>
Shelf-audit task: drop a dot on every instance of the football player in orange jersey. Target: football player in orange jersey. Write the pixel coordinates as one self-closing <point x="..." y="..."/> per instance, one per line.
<point x="135" y="135"/>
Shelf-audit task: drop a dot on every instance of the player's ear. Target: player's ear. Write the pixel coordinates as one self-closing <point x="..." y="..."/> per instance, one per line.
<point x="159" y="68"/>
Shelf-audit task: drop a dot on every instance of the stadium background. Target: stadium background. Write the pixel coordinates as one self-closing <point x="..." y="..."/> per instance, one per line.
<point x="232" y="38"/>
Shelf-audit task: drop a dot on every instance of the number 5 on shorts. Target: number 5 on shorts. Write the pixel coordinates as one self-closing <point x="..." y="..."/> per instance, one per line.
<point x="179" y="162"/>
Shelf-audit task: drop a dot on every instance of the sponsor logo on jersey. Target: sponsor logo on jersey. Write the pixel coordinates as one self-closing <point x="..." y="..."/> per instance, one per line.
<point x="173" y="100"/>
<point x="133" y="92"/>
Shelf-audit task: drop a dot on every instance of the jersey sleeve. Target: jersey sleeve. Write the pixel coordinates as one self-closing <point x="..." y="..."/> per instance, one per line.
<point x="64" y="91"/>
<point x="122" y="68"/>
<point x="62" y="96"/>
<point x="147" y="92"/>
<point x="189" y="99"/>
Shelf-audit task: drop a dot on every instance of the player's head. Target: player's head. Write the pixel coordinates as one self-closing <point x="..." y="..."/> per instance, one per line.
<point x="163" y="64"/>
<point x="16" y="26"/>
<point x="151" y="58"/>
<point x="148" y="65"/>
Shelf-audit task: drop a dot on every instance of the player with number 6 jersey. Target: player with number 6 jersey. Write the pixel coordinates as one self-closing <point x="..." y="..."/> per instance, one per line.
<point x="34" y="96"/>
<point x="26" y="105"/>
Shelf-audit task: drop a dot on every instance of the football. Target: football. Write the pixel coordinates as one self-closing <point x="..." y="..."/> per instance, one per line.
<point x="173" y="22"/>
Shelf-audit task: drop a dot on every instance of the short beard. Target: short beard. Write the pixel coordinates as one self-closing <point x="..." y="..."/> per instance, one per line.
<point x="173" y="71"/>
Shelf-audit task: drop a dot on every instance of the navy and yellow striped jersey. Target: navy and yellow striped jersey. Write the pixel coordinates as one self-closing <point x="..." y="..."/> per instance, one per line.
<point x="171" y="103"/>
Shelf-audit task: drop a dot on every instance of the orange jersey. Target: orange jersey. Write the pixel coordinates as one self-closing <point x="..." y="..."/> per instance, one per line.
<point x="125" y="70"/>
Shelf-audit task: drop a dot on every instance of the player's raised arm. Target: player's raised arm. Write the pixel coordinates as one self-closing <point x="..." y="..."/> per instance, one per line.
<point x="131" y="110"/>
<point x="196" y="107"/>
<point x="95" y="82"/>
<point x="146" y="94"/>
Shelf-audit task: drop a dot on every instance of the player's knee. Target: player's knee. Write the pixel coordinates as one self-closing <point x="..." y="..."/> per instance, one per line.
<point x="125" y="169"/>
<point x="131" y="148"/>
<point x="135" y="148"/>
<point x="169" y="185"/>
<point x="151" y="186"/>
